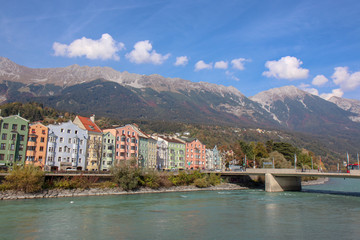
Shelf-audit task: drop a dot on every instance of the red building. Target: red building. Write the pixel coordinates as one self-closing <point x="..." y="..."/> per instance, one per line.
<point x="126" y="142"/>
<point x="195" y="157"/>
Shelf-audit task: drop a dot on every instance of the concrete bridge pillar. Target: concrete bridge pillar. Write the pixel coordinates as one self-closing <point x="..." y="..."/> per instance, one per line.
<point x="282" y="183"/>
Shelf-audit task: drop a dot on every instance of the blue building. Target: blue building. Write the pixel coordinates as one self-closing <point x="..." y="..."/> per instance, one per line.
<point x="66" y="148"/>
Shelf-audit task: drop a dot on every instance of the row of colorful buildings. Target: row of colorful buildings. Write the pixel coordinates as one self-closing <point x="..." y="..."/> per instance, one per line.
<point x="81" y="145"/>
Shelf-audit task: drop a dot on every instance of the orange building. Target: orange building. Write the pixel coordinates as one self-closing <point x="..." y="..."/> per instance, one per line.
<point x="195" y="157"/>
<point x="37" y="145"/>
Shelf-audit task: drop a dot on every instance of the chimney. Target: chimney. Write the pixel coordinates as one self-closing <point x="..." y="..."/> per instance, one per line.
<point x="92" y="118"/>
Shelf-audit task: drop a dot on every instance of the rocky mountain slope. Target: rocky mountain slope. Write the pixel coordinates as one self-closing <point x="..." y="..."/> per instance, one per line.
<point x="104" y="91"/>
<point x="350" y="105"/>
<point x="302" y="111"/>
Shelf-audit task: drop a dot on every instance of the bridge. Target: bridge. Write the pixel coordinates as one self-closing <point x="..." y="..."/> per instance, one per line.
<point x="279" y="180"/>
<point x="276" y="180"/>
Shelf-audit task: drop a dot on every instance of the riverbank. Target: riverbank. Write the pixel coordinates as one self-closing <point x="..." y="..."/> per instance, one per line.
<point x="59" y="193"/>
<point x="318" y="181"/>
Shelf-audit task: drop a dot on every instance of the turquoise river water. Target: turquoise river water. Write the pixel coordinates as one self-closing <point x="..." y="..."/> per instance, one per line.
<point x="328" y="211"/>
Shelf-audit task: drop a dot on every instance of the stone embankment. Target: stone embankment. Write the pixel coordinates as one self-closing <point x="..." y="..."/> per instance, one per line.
<point x="57" y="193"/>
<point x="315" y="182"/>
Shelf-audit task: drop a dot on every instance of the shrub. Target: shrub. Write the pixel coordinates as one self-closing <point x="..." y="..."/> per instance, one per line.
<point x="214" y="179"/>
<point x="28" y="179"/>
<point x="64" y="183"/>
<point x="107" y="184"/>
<point x="127" y="176"/>
<point x="151" y="180"/>
<point x="202" y="182"/>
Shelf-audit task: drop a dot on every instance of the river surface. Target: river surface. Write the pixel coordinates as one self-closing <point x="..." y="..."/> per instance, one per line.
<point x="328" y="211"/>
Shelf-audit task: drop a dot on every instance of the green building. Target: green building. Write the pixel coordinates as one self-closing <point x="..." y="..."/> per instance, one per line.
<point x="143" y="152"/>
<point x="13" y="141"/>
<point x="108" y="151"/>
<point x="176" y="153"/>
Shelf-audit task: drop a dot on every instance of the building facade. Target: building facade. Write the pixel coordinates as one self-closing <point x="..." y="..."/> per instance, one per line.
<point x="175" y="153"/>
<point x="213" y="159"/>
<point x="127" y="143"/>
<point x="195" y="154"/>
<point x="152" y="155"/>
<point x="108" y="151"/>
<point x="94" y="142"/>
<point x="66" y="148"/>
<point x="37" y="145"/>
<point x="13" y="142"/>
<point x="162" y="154"/>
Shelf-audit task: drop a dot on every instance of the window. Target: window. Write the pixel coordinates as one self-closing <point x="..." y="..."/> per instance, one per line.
<point x="69" y="140"/>
<point x="59" y="159"/>
<point x="79" y="160"/>
<point x="23" y="127"/>
<point x="13" y="137"/>
<point x="76" y="131"/>
<point x="61" y="139"/>
<point x="43" y="131"/>
<point x="21" y="147"/>
<point x="68" y="131"/>
<point x="22" y="137"/>
<point x="50" y="159"/>
<point x="3" y="136"/>
<point x="41" y="149"/>
<point x="6" y="126"/>
<point x="80" y="151"/>
<point x="62" y="130"/>
<point x="72" y="159"/>
<point x="123" y="138"/>
<point x="42" y="139"/>
<point x="81" y="142"/>
<point x="12" y="146"/>
<point x="3" y="146"/>
<point x="14" y="127"/>
<point x="123" y="131"/>
<point x="2" y="157"/>
<point x="11" y="157"/>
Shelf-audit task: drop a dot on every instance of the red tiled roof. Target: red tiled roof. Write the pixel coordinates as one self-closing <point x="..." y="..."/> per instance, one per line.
<point x="89" y="125"/>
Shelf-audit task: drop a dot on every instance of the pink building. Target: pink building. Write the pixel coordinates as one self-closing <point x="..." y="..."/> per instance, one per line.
<point x="195" y="154"/>
<point x="126" y="142"/>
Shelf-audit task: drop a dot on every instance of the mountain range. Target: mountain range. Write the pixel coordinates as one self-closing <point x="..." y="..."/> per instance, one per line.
<point x="122" y="95"/>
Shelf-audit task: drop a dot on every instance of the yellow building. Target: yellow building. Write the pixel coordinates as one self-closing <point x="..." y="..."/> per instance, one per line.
<point x="94" y="143"/>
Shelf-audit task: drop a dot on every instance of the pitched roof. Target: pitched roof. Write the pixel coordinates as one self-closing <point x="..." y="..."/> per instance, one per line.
<point x="89" y="125"/>
<point x="171" y="140"/>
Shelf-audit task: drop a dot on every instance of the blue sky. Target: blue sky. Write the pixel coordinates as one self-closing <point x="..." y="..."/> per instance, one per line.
<point x="251" y="45"/>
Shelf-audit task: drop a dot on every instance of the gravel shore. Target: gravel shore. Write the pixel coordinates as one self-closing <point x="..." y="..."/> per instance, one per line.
<point x="57" y="193"/>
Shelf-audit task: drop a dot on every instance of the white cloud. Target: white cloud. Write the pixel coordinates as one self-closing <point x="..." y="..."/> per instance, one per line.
<point x="286" y="68"/>
<point x="347" y="81"/>
<point x="104" y="48"/>
<point x="334" y="92"/>
<point x="232" y="76"/>
<point x="319" y="80"/>
<point x="221" y="65"/>
<point x="239" y="63"/>
<point x="181" y="61"/>
<point x="200" y="65"/>
<point x="143" y="53"/>
<point x="307" y="88"/>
